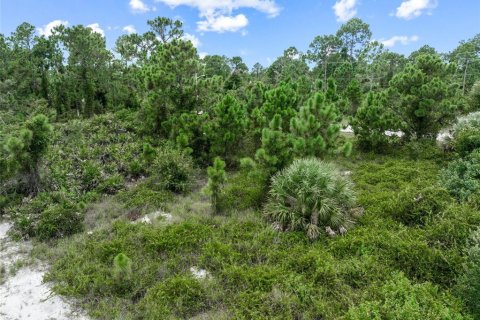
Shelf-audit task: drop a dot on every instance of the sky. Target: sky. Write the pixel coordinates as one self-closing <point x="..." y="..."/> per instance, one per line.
<point x="259" y="30"/>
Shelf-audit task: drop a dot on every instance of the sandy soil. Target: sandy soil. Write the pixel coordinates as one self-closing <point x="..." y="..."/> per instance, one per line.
<point x="22" y="294"/>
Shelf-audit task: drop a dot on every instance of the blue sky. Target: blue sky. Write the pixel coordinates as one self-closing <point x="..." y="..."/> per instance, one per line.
<point x="259" y="30"/>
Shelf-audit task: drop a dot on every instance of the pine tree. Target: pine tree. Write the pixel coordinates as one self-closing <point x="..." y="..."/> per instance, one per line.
<point x="26" y="151"/>
<point x="424" y="99"/>
<point x="372" y="120"/>
<point x="170" y="78"/>
<point x="216" y="179"/>
<point x="275" y="152"/>
<point x="227" y="127"/>
<point x="282" y="100"/>
<point x="315" y="129"/>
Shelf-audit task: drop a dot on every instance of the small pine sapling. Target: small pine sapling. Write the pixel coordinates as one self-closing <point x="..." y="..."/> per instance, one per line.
<point x="216" y="179"/>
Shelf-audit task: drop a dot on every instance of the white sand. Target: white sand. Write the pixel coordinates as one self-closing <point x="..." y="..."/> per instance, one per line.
<point x="23" y="295"/>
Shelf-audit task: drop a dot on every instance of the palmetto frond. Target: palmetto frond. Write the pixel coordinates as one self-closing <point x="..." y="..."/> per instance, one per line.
<point x="310" y="195"/>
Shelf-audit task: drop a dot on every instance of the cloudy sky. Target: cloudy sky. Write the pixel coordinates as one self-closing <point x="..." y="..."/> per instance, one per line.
<point x="259" y="30"/>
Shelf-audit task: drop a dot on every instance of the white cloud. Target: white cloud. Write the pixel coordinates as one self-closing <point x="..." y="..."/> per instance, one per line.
<point x="202" y="54"/>
<point x="96" y="28"/>
<point x="193" y="39"/>
<point x="47" y="29"/>
<point x="410" y="9"/>
<point x="223" y="23"/>
<point x="138" y="6"/>
<point x="129" y="29"/>
<point x="404" y="40"/>
<point x="218" y="15"/>
<point x="345" y="9"/>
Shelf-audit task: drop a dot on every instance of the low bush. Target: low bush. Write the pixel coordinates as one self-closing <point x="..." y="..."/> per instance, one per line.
<point x="178" y="297"/>
<point x="47" y="216"/>
<point x="144" y="195"/>
<point x="423" y="149"/>
<point x="309" y="195"/>
<point x="469" y="281"/>
<point x="399" y="298"/>
<point x="172" y="170"/>
<point x="462" y="177"/>
<point x="91" y="175"/>
<point x="415" y="206"/>
<point x="244" y="190"/>
<point x="452" y="228"/>
<point x="466" y="140"/>
<point x="111" y="185"/>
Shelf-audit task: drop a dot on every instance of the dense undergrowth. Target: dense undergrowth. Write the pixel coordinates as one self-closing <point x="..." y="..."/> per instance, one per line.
<point x="399" y="261"/>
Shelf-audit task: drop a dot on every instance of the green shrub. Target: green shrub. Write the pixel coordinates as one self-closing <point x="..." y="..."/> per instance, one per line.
<point x="91" y="175"/>
<point x="308" y="195"/>
<point x="469" y="281"/>
<point x="423" y="149"/>
<point x="144" y="196"/>
<point x="135" y="168"/>
<point x="180" y="296"/>
<point x="415" y="206"/>
<point x="400" y="299"/>
<point x="462" y="177"/>
<point x="112" y="184"/>
<point x="244" y="190"/>
<point x="49" y="215"/>
<point x="172" y="170"/>
<point x="452" y="228"/>
<point x="122" y="271"/>
<point x="466" y="140"/>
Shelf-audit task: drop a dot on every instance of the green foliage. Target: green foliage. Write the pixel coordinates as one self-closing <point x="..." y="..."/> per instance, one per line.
<point x="315" y="129"/>
<point x="354" y="95"/>
<point x="452" y="228"/>
<point x="257" y="273"/>
<point x="244" y="190"/>
<point x="416" y="206"/>
<point x="122" y="270"/>
<point x="274" y="153"/>
<point x="49" y="215"/>
<point x="309" y="195"/>
<point x="227" y="127"/>
<point x="148" y="154"/>
<point x="469" y="281"/>
<point x="26" y="151"/>
<point x="403" y="257"/>
<point x="462" y="177"/>
<point x="180" y="296"/>
<point x="145" y="195"/>
<point x="216" y="179"/>
<point x="466" y="140"/>
<point x="399" y="298"/>
<point x="423" y="95"/>
<point x="425" y="149"/>
<point x="474" y="97"/>
<point x="172" y="170"/>
<point x="91" y="175"/>
<point x="169" y="79"/>
<point x="281" y="100"/>
<point x="372" y="120"/>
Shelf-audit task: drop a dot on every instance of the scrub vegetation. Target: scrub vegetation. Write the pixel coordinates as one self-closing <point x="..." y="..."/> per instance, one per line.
<point x="161" y="185"/>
